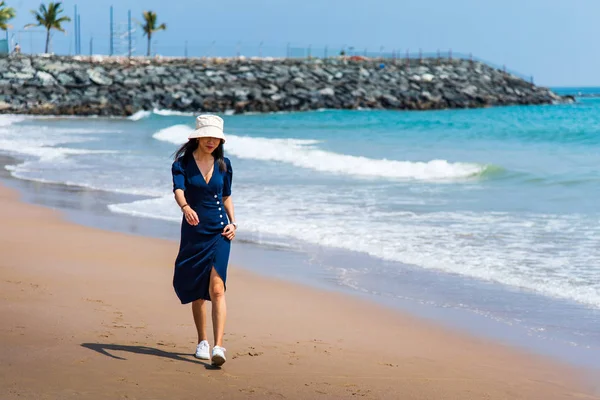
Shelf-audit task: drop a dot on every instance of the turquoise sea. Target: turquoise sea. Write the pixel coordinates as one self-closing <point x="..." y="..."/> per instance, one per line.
<point x="491" y="214"/>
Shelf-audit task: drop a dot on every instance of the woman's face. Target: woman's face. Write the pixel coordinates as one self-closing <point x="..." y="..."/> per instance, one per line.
<point x="208" y="144"/>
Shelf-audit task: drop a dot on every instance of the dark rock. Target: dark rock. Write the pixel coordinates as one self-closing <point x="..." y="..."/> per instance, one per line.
<point x="83" y="86"/>
<point x="80" y="76"/>
<point x="99" y="77"/>
<point x="390" y="101"/>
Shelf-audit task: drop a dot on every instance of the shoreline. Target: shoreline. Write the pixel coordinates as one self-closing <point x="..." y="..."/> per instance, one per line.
<point x="88" y="207"/>
<point x="416" y="358"/>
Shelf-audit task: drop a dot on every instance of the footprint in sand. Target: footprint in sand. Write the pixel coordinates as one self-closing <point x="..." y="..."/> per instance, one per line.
<point x="359" y="392"/>
<point x="250" y="352"/>
<point x="94" y="301"/>
<point x="318" y="346"/>
<point x="389" y="364"/>
<point x="166" y="344"/>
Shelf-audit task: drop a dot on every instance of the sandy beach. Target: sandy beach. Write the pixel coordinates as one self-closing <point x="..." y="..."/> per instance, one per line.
<point x="91" y="314"/>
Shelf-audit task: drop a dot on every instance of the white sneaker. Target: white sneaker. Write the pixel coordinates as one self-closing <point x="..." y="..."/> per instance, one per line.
<point x="218" y="356"/>
<point x="203" y="350"/>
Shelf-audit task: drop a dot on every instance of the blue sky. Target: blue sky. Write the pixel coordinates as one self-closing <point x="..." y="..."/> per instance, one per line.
<point x="553" y="40"/>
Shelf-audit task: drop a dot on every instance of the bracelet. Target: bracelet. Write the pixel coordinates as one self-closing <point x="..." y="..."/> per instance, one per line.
<point x="185" y="205"/>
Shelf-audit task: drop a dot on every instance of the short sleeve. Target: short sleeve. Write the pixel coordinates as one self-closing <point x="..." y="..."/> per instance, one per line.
<point x="178" y="175"/>
<point x="227" y="180"/>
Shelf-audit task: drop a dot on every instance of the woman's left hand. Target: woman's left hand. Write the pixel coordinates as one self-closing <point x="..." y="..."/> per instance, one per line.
<point x="229" y="232"/>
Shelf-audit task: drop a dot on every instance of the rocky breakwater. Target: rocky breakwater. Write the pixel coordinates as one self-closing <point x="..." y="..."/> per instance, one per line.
<point x="121" y="87"/>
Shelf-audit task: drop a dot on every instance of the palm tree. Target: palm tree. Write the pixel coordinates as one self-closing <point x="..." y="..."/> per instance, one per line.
<point x="49" y="19"/>
<point x="6" y="14"/>
<point x="150" y="27"/>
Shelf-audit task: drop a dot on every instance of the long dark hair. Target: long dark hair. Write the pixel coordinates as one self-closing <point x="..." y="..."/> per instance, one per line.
<point x="186" y="150"/>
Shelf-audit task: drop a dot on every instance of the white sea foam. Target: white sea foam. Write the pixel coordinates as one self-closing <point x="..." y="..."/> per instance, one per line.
<point x="170" y="113"/>
<point x="158" y="208"/>
<point x="304" y="154"/>
<point x="176" y="134"/>
<point x="501" y="247"/>
<point x="163" y="113"/>
<point x="47" y="157"/>
<point x="7" y="120"/>
<point x="140" y="115"/>
<point x="21" y="173"/>
<point x="41" y="141"/>
<point x="42" y="152"/>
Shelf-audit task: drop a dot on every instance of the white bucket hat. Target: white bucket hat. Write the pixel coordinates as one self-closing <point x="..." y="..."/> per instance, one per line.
<point x="208" y="125"/>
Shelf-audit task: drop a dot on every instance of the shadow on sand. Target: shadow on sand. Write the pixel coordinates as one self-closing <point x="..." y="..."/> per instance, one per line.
<point x="104" y="349"/>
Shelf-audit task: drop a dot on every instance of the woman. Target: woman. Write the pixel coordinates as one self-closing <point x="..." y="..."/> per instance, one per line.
<point x="202" y="185"/>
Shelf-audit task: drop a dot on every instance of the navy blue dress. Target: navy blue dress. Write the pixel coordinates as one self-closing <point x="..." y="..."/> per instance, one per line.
<point x="202" y="246"/>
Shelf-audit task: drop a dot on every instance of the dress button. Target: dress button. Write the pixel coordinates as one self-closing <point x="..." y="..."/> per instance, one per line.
<point x="221" y="215"/>
<point x="217" y="202"/>
<point x="219" y="208"/>
<point x="215" y="196"/>
<point x="222" y="223"/>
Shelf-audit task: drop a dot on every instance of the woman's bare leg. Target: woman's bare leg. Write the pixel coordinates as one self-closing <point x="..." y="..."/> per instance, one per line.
<point x="219" y="307"/>
<point x="199" y="311"/>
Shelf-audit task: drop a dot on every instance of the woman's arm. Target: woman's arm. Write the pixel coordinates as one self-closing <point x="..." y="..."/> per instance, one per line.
<point x="229" y="231"/>
<point x="190" y="215"/>
<point x="180" y="198"/>
<point x="228" y="203"/>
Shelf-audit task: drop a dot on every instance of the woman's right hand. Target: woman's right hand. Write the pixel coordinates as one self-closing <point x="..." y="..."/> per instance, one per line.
<point x="190" y="216"/>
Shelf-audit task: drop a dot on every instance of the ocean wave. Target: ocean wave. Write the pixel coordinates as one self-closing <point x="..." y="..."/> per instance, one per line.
<point x="174" y="113"/>
<point x="176" y="134"/>
<point x="514" y="253"/>
<point x="169" y="113"/>
<point x="46" y="141"/>
<point x="157" y="208"/>
<point x="9" y="119"/>
<point x="45" y="153"/>
<point x="163" y="113"/>
<point x="140" y="115"/>
<point x="304" y="154"/>
<point x="20" y="173"/>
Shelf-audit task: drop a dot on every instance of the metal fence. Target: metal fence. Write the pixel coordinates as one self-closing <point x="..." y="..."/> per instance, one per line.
<point x="126" y="42"/>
